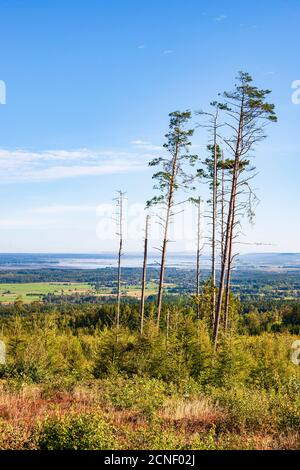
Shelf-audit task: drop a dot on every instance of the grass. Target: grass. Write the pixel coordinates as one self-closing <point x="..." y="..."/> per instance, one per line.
<point x="135" y="290"/>
<point x="30" y="292"/>
<point x="197" y="411"/>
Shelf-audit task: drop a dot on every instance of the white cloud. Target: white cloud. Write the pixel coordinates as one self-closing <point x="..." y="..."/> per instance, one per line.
<point x="168" y="51"/>
<point x="25" y="165"/>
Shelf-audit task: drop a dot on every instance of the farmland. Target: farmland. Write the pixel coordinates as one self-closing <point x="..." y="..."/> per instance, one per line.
<point x="29" y="292"/>
<point x="36" y="291"/>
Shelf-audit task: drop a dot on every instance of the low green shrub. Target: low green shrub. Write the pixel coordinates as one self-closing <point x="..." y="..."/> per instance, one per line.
<point x="245" y="409"/>
<point x="155" y="437"/>
<point x="84" y="431"/>
<point x="139" y="394"/>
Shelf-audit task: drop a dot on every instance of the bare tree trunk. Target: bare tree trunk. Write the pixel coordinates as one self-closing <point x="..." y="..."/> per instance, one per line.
<point x="119" y="283"/>
<point x="120" y="233"/>
<point x="162" y="269"/>
<point x="166" y="233"/>
<point x="227" y="296"/>
<point x="228" y="279"/>
<point x="222" y="207"/>
<point x="144" y="278"/>
<point x="230" y="223"/>
<point x="198" y="256"/>
<point x="229" y="270"/>
<point x="214" y="223"/>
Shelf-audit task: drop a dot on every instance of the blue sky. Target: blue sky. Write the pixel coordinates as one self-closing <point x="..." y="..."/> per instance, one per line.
<point x="89" y="85"/>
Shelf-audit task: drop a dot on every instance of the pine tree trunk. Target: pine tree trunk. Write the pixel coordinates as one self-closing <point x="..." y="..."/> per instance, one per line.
<point x="222" y="208"/>
<point x="119" y="284"/>
<point x="198" y="257"/>
<point x="229" y="269"/>
<point x="227" y="296"/>
<point x="119" y="260"/>
<point x="166" y="233"/>
<point x="214" y="225"/>
<point x="144" y="278"/>
<point x="161" y="276"/>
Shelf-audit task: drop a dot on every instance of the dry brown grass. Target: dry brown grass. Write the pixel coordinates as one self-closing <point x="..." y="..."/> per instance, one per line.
<point x="259" y="441"/>
<point x="193" y="414"/>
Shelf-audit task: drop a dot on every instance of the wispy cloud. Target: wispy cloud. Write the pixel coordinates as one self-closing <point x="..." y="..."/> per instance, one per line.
<point x="247" y="26"/>
<point x="24" y="165"/>
<point x="168" y="51"/>
<point x="146" y="146"/>
<point x="140" y="142"/>
<point x="220" y="18"/>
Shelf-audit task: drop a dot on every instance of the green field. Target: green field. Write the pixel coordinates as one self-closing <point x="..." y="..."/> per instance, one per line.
<point x="30" y="292"/>
<point x="135" y="290"/>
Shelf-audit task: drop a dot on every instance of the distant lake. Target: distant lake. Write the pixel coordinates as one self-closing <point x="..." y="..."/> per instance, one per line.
<point x="91" y="261"/>
<point x="260" y="261"/>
